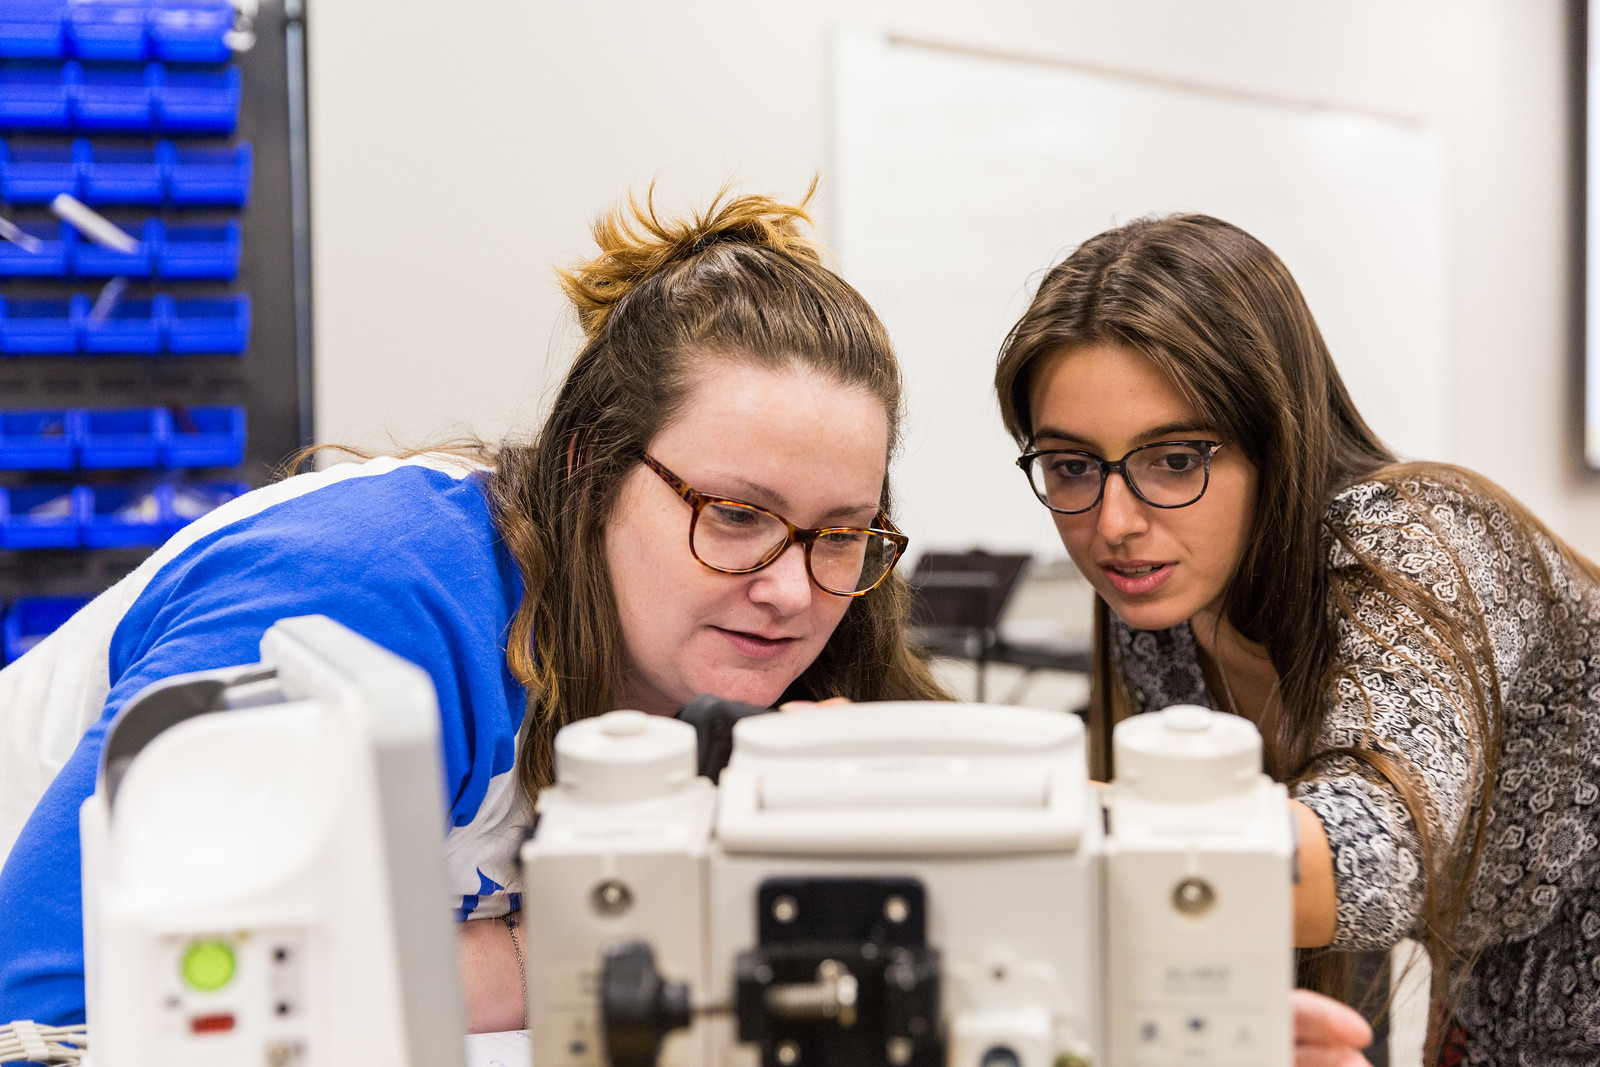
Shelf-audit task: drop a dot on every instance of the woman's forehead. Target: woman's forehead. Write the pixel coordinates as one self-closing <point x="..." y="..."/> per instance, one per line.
<point x="1089" y="392"/>
<point x="795" y="437"/>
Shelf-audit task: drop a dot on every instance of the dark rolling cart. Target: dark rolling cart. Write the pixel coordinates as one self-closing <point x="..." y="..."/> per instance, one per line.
<point x="958" y="599"/>
<point x="126" y="415"/>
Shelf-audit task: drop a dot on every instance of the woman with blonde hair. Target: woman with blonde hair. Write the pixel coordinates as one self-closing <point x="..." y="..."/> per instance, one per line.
<point x="706" y="509"/>
<point x="1421" y="654"/>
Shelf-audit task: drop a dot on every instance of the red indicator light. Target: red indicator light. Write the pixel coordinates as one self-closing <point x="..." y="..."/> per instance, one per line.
<point x="212" y="1024"/>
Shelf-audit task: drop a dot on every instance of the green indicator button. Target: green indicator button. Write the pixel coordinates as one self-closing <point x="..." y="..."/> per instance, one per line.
<point x="208" y="965"/>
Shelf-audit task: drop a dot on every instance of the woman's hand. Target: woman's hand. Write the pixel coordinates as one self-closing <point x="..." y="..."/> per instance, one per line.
<point x="807" y="705"/>
<point x="1326" y="1033"/>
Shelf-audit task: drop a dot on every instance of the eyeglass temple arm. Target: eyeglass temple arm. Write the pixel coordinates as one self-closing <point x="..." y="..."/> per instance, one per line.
<point x="677" y="484"/>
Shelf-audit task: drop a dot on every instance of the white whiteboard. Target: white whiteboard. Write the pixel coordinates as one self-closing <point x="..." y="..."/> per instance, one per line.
<point x="958" y="178"/>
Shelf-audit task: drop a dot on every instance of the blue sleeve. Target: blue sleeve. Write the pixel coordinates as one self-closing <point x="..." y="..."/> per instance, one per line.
<point x="409" y="559"/>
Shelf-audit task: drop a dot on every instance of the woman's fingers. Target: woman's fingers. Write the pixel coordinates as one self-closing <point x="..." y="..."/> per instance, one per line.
<point x="806" y="705"/>
<point x="1322" y="1023"/>
<point x="1322" y="1056"/>
<point x="1326" y="1033"/>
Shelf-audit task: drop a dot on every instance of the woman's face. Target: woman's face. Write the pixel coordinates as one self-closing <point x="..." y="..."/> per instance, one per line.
<point x="791" y="441"/>
<point x="1155" y="567"/>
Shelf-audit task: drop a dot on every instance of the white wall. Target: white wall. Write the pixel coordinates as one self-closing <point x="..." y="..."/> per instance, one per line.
<point x="458" y="152"/>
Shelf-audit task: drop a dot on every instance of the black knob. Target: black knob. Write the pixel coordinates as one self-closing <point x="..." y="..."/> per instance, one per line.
<point x="637" y="1006"/>
<point x="713" y="719"/>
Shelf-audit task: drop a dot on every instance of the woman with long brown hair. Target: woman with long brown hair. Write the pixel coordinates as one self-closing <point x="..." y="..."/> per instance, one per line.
<point x="706" y="509"/>
<point x="1421" y="654"/>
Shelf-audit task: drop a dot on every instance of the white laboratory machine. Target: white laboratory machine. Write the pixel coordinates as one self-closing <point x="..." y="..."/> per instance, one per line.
<point x="911" y="884"/>
<point x="263" y="870"/>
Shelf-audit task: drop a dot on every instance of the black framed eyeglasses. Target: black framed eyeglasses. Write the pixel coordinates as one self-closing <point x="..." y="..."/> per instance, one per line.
<point x="1167" y="474"/>
<point x="735" y="537"/>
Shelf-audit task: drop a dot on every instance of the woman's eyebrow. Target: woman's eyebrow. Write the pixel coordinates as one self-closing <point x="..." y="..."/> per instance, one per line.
<point x="1164" y="430"/>
<point x="1184" y="426"/>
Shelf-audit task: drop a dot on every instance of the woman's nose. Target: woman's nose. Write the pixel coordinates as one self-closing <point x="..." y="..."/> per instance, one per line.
<point x="1122" y="514"/>
<point x="784" y="583"/>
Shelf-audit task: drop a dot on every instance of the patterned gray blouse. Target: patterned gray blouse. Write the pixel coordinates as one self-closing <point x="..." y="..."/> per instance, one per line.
<point x="1533" y="913"/>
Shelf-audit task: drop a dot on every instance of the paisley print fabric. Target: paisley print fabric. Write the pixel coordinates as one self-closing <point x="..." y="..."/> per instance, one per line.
<point x="1530" y="993"/>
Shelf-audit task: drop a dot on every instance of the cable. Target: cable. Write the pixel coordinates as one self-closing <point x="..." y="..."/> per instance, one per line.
<point x="27" y="1041"/>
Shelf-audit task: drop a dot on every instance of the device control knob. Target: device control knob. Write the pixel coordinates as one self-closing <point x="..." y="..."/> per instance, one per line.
<point x="1187" y="753"/>
<point x="638" y="1007"/>
<point x="623" y="757"/>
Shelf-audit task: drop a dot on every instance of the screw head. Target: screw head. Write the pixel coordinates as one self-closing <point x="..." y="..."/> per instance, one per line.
<point x="898" y="1051"/>
<point x="788" y="1053"/>
<point x="896" y="909"/>
<point x="786" y="909"/>
<point x="611" y="897"/>
<point x="1193" y="896"/>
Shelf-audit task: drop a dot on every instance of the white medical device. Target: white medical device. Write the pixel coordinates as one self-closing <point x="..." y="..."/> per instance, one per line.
<point x="263" y="871"/>
<point x="912" y="884"/>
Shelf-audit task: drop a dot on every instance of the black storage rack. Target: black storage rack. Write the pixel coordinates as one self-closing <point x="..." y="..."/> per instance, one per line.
<point x="270" y="380"/>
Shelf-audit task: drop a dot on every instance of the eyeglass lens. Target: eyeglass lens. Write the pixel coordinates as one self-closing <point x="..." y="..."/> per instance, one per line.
<point x="737" y="537"/>
<point x="1167" y="475"/>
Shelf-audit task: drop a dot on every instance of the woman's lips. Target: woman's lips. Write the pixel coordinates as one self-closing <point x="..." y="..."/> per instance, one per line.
<point x="1136" y="577"/>
<point x="754" y="645"/>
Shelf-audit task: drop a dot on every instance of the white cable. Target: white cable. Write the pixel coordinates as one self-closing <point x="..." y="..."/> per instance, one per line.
<point x="27" y="1041"/>
<point x="17" y="236"/>
<point x="93" y="225"/>
<point x="106" y="302"/>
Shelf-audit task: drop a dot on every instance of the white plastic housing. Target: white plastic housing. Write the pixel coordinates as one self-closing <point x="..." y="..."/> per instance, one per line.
<point x="904" y="778"/>
<point x="619" y="854"/>
<point x="1199" y="871"/>
<point x="304" y="834"/>
<point x="1036" y="913"/>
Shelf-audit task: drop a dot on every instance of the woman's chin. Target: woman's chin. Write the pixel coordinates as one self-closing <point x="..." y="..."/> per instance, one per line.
<point x="760" y="688"/>
<point x="1146" y="615"/>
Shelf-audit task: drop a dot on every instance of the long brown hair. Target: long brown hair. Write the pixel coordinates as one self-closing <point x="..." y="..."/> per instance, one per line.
<point x="739" y="281"/>
<point x="1222" y="318"/>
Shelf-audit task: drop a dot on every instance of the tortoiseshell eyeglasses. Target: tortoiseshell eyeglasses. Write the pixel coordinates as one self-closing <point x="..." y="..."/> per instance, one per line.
<point x="734" y="537"/>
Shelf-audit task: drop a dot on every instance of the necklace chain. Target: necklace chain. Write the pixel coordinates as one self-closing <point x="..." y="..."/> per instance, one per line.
<point x="1227" y="687"/>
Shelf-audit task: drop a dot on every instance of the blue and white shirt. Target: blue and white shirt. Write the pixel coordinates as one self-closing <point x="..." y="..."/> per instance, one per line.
<point x="401" y="551"/>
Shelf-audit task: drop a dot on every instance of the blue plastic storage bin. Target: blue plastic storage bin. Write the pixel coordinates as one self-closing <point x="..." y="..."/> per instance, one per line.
<point x="38" y="327"/>
<point x="117" y="99"/>
<point x="37" y="174"/>
<point x="191" y="31"/>
<point x="220" y="326"/>
<point x="51" y="259"/>
<point x="208" y="175"/>
<point x="107" y="29"/>
<point x="33" y="29"/>
<point x="32" y="619"/>
<point x="40" y="440"/>
<point x="132" y="327"/>
<point x="199" y="101"/>
<point x="42" y="516"/>
<point x="200" y="252"/>
<point x="37" y="97"/>
<point x="125" y="516"/>
<point x="90" y="260"/>
<point x="122" y="175"/>
<point x="190" y="500"/>
<point x="206" y="436"/>
<point x="124" y="437"/>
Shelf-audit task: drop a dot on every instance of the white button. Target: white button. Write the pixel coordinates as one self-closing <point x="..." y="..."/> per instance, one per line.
<point x="1186" y="718"/>
<point x="623" y="723"/>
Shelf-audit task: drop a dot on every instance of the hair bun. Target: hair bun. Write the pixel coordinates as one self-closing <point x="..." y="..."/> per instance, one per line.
<point x="636" y="241"/>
